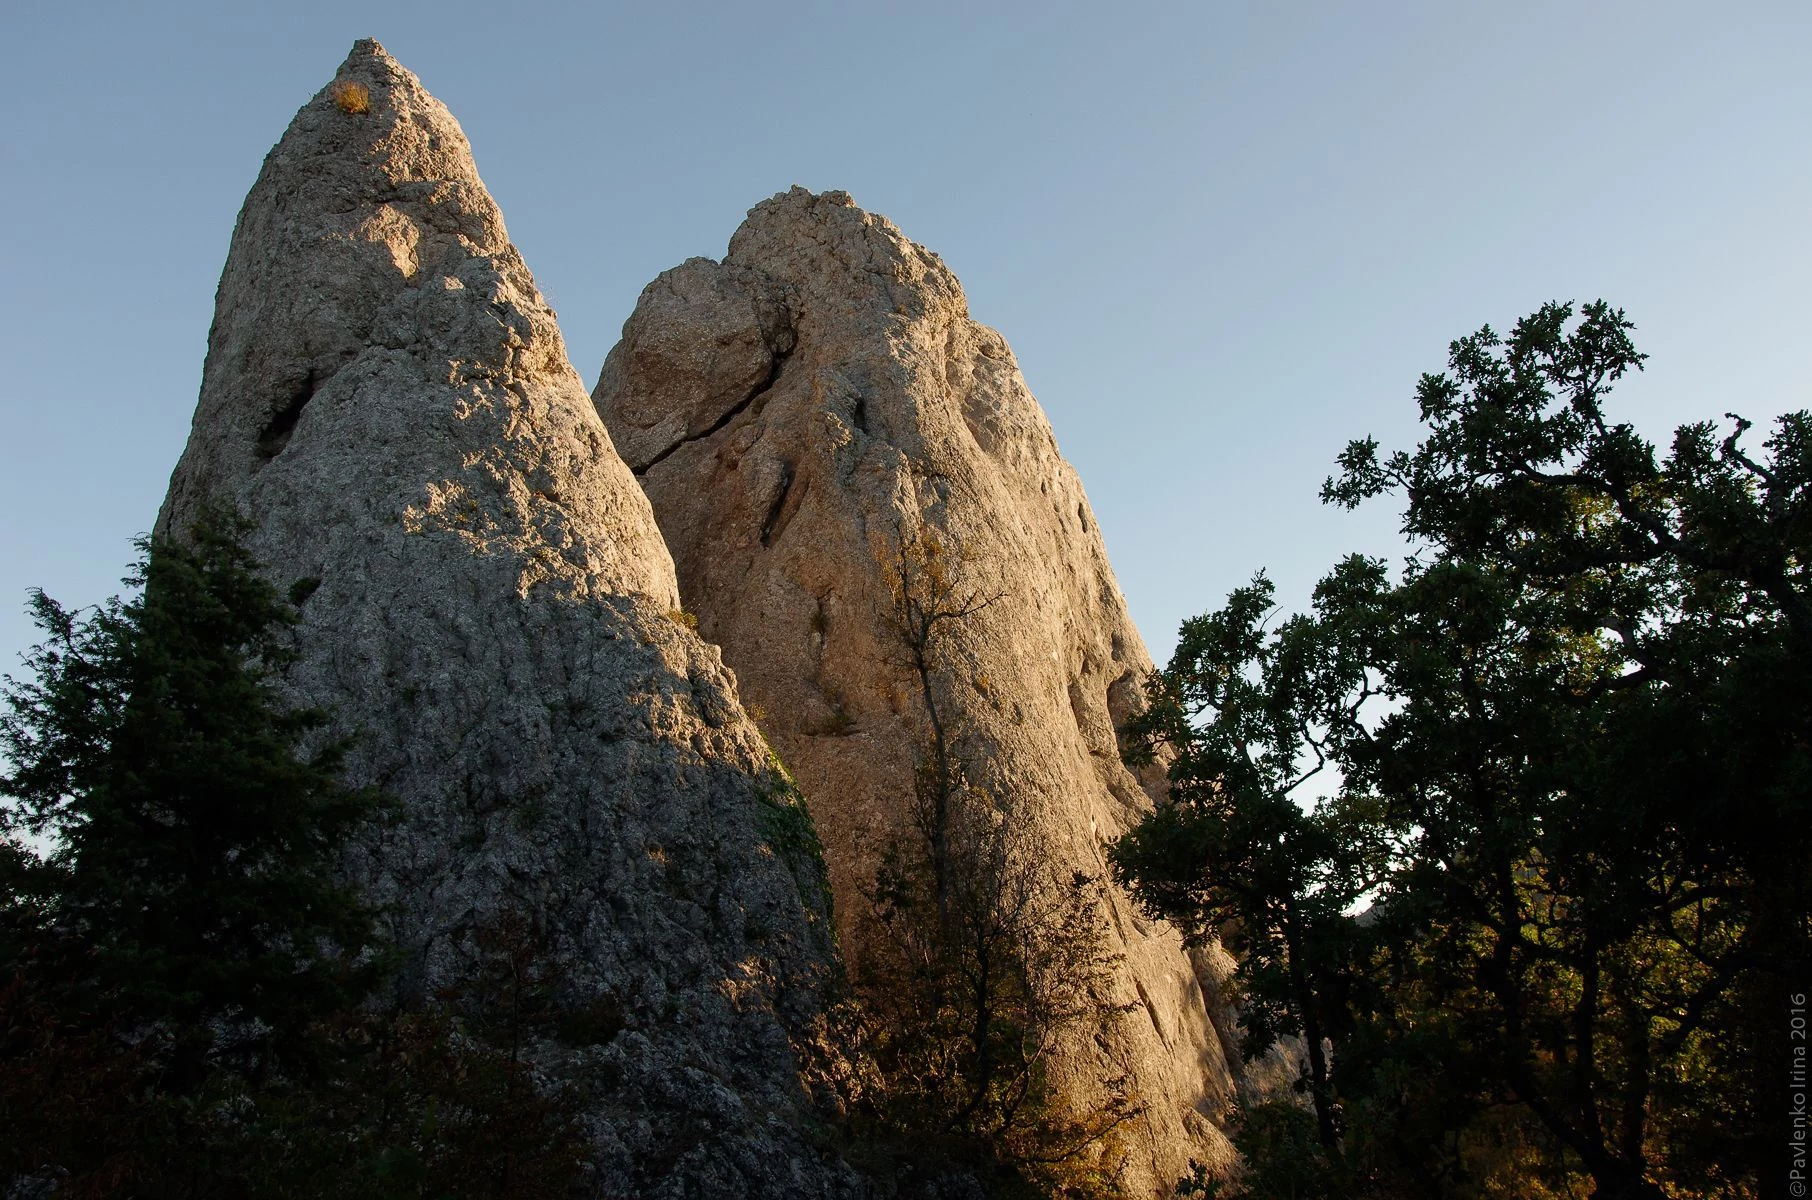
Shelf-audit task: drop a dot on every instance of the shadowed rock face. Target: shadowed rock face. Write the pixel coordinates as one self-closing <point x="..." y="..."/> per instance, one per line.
<point x="790" y="411"/>
<point x="387" y="396"/>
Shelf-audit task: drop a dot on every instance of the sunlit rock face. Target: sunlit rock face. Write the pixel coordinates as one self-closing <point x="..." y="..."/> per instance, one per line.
<point x="792" y="411"/>
<point x="487" y="609"/>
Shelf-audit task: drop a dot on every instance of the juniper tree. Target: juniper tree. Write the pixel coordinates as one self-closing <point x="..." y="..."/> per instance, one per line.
<point x="189" y="997"/>
<point x="170" y="926"/>
<point x="193" y="815"/>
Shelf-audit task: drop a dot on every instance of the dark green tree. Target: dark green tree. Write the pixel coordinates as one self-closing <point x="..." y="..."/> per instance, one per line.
<point x="1586" y="758"/>
<point x="1259" y="845"/>
<point x="190" y="1001"/>
<point x="1608" y="659"/>
<point x="170" y="925"/>
<point x="194" y="816"/>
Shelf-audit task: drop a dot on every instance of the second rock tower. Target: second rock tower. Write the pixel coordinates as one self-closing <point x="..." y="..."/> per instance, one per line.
<point x="797" y="413"/>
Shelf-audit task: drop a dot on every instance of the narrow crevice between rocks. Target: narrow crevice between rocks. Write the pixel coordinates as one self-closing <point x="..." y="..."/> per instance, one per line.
<point x="757" y="392"/>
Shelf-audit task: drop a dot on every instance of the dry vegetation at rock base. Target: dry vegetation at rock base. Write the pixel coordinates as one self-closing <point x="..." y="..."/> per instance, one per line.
<point x="976" y="964"/>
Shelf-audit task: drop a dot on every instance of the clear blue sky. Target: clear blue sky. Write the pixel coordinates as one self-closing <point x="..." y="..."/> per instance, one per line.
<point x="1221" y="238"/>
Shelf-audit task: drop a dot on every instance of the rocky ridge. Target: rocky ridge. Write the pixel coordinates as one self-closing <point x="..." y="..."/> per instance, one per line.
<point x="794" y="412"/>
<point x="488" y="605"/>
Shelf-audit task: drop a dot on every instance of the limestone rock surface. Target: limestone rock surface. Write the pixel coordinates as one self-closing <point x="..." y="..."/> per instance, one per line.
<point x="487" y="607"/>
<point x="790" y="410"/>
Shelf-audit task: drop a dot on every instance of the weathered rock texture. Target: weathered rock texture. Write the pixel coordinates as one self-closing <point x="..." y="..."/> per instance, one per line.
<point x="388" y="397"/>
<point x="792" y="411"/>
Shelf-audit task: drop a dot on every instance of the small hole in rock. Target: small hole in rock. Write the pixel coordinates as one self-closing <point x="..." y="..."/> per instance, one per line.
<point x="283" y="422"/>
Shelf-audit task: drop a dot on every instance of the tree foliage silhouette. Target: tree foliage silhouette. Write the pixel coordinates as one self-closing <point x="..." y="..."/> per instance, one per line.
<point x="1573" y="744"/>
<point x="193" y="831"/>
<point x="190" y="1001"/>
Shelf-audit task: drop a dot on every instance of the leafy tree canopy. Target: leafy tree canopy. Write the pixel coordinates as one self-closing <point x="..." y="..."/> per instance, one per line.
<point x="1567" y="757"/>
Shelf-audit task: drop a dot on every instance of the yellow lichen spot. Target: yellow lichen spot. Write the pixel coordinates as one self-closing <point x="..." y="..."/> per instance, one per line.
<point x="354" y="98"/>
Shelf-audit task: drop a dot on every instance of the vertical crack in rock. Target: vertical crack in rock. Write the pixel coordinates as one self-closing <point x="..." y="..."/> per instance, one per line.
<point x="942" y="435"/>
<point x="772" y="525"/>
<point x="388" y="397"/>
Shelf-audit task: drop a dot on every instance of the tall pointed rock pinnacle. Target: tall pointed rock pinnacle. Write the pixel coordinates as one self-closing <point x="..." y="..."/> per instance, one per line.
<point x="370" y="261"/>
<point x="488" y="608"/>
<point x="796" y="413"/>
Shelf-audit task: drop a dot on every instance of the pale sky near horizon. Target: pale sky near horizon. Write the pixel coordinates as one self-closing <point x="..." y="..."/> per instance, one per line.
<point x="1222" y="239"/>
